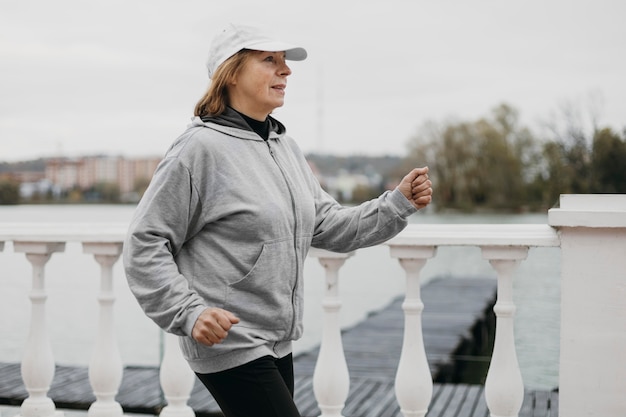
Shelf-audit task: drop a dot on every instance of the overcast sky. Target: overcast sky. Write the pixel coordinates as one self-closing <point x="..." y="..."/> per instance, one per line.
<point x="121" y="77"/>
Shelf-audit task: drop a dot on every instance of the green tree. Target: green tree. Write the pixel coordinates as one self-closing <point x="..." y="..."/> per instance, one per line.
<point x="553" y="179"/>
<point x="608" y="162"/>
<point x="107" y="192"/>
<point x="9" y="192"/>
<point x="572" y="133"/>
<point x="505" y="155"/>
<point x="482" y="164"/>
<point x="453" y="167"/>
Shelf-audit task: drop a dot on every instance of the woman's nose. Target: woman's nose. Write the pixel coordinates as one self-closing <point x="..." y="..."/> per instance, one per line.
<point x="285" y="70"/>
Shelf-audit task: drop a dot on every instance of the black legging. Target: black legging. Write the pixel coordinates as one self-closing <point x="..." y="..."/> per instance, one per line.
<point x="261" y="388"/>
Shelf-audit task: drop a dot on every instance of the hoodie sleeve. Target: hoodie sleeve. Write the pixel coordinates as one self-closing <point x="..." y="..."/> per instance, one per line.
<point x="166" y="216"/>
<point x="344" y="229"/>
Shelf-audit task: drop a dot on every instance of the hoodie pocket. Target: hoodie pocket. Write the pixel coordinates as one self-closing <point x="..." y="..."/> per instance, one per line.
<point x="262" y="299"/>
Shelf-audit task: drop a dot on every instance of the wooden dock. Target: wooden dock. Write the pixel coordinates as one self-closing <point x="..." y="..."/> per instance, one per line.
<point x="457" y="323"/>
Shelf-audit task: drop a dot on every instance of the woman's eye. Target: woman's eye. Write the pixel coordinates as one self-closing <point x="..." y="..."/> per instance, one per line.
<point x="269" y="58"/>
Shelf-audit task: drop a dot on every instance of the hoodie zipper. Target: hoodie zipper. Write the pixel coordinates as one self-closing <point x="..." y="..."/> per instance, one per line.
<point x="295" y="235"/>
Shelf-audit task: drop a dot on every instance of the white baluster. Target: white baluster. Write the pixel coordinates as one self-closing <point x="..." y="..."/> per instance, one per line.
<point x="177" y="380"/>
<point x="414" y="384"/>
<point x="331" y="380"/>
<point x="504" y="387"/>
<point x="38" y="361"/>
<point x="105" y="368"/>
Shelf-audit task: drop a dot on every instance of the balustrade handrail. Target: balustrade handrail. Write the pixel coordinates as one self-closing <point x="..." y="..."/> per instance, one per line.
<point x="412" y="247"/>
<point x="63" y="232"/>
<point x="414" y="234"/>
<point x="477" y="235"/>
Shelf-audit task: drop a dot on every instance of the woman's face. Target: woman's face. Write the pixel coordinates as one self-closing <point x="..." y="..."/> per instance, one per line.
<point x="260" y="86"/>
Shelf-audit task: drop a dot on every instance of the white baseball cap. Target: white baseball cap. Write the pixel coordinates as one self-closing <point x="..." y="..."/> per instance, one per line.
<point x="234" y="38"/>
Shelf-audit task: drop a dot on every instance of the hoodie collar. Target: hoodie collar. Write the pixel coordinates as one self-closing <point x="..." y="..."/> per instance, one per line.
<point x="231" y="118"/>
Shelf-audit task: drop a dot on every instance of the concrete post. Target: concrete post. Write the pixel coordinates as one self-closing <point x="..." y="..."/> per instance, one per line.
<point x="593" y="304"/>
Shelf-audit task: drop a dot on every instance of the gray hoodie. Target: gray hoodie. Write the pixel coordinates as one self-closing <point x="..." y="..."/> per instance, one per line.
<point x="227" y="222"/>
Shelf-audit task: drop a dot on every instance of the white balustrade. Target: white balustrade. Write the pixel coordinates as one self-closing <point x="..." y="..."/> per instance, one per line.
<point x="106" y="368"/>
<point x="592" y="236"/>
<point x="331" y="380"/>
<point x="177" y="380"/>
<point x="414" y="384"/>
<point x="504" y="387"/>
<point x="502" y="244"/>
<point x="38" y="360"/>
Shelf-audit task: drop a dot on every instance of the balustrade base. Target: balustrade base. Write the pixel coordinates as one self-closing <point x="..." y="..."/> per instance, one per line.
<point x="36" y="413"/>
<point x="54" y="414"/>
<point x="373" y="399"/>
<point x="170" y="411"/>
<point x="105" y="410"/>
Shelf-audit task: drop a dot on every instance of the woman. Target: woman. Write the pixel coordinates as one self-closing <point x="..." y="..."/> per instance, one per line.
<point x="216" y="247"/>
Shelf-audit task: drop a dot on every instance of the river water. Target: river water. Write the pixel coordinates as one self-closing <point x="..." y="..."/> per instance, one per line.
<point x="368" y="282"/>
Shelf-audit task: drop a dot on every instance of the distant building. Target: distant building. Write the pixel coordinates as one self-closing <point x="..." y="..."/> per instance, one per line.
<point x="63" y="173"/>
<point x="27" y="176"/>
<point x="86" y="172"/>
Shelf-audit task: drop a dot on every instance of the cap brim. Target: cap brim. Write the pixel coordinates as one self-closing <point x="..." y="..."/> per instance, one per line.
<point x="292" y="52"/>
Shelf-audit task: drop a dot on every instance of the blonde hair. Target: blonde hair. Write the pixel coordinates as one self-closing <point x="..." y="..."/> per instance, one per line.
<point x="215" y="100"/>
